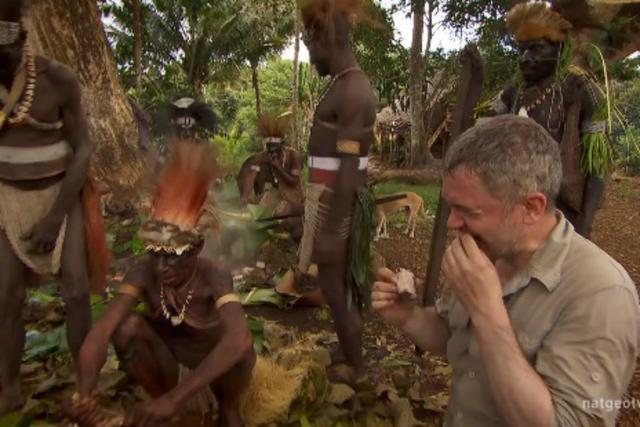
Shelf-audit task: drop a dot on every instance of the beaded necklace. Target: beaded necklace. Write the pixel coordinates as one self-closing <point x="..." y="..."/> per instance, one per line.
<point x="20" y="112"/>
<point x="177" y="320"/>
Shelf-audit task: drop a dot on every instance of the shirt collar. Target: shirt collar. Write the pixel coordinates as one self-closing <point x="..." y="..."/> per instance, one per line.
<point x="545" y="265"/>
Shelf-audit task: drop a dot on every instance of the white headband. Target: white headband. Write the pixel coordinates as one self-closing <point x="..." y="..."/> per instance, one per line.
<point x="272" y="139"/>
<point x="9" y="32"/>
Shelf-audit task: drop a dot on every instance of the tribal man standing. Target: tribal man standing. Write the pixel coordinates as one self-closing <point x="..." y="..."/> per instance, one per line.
<point x="44" y="186"/>
<point x="559" y="98"/>
<point x="338" y="204"/>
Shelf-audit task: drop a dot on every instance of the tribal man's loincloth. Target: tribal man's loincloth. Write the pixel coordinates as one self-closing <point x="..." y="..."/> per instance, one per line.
<point x="357" y="229"/>
<point x="20" y="211"/>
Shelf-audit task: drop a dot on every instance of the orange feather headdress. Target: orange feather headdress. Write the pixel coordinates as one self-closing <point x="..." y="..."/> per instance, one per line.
<point x="179" y="199"/>
<point x="530" y="21"/>
<point x="319" y="16"/>
<point x="272" y="129"/>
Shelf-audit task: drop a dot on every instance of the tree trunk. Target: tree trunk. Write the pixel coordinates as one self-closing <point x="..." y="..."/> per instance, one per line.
<point x="424" y="152"/>
<point x="294" y="86"/>
<point x="416" y="82"/>
<point x="137" y="47"/>
<point x="431" y="4"/>
<point x="79" y="41"/>
<point x="255" y="81"/>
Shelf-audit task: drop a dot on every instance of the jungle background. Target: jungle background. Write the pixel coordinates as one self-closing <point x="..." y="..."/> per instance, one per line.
<point x="228" y="53"/>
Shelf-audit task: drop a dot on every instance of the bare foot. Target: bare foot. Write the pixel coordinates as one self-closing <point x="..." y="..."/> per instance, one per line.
<point x="10" y="402"/>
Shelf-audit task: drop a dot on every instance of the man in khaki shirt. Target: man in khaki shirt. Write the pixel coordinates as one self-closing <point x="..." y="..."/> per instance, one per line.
<point x="540" y="325"/>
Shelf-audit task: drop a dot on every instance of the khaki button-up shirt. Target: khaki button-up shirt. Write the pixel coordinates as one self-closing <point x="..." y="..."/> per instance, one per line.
<point x="576" y="316"/>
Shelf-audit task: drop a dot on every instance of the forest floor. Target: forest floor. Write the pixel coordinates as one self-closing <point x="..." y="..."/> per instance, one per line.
<point x="406" y="389"/>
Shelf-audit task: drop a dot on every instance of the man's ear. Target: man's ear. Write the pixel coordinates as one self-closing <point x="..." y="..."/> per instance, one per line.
<point x="535" y="206"/>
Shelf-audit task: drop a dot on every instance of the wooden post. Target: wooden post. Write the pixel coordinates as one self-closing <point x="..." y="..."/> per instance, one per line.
<point x="469" y="93"/>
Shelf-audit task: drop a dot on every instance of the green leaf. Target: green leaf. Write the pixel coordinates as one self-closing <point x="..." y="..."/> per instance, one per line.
<point x="10" y="420"/>
<point x="257" y="212"/>
<point x="261" y="296"/>
<point x="42" y="345"/>
<point x="137" y="245"/>
<point x="256" y="327"/>
<point x="304" y="422"/>
<point x="391" y="362"/>
<point x="98" y="307"/>
<point x="122" y="248"/>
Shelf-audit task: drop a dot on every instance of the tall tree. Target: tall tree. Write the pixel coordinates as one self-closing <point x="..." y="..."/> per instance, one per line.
<point x="79" y="41"/>
<point x="416" y="80"/>
<point x="137" y="50"/>
<point x="294" y="82"/>
<point x="267" y="25"/>
<point x="186" y="44"/>
<point x="380" y="54"/>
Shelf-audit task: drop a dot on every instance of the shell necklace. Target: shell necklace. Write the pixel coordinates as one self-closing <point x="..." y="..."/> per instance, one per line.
<point x="21" y="110"/>
<point x="177" y="320"/>
<point x="334" y="80"/>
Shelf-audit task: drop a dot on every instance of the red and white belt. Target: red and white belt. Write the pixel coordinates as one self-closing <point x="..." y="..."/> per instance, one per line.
<point x="324" y="170"/>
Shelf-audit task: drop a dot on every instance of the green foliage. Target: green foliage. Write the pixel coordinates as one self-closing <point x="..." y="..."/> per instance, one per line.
<point x="256" y="327"/>
<point x="626" y="136"/>
<point x="188" y="44"/>
<point x="42" y="345"/>
<point x="260" y="296"/>
<point x="628" y="148"/>
<point x="380" y="55"/>
<point x="18" y="419"/>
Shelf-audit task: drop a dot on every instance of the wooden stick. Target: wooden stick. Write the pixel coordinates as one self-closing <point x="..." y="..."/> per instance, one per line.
<point x="469" y="93"/>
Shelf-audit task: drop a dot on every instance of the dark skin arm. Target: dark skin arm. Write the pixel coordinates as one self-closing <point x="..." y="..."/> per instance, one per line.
<point x="93" y="353"/>
<point x="235" y="343"/>
<point x="92" y="357"/>
<point x="75" y="131"/>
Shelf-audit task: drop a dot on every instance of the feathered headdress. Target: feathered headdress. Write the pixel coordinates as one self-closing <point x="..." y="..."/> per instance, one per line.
<point x="319" y="16"/>
<point x="179" y="199"/>
<point x="272" y="129"/>
<point x="530" y="21"/>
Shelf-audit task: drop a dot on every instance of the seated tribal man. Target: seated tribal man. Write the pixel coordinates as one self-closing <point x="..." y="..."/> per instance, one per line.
<point x="277" y="165"/>
<point x="49" y="211"/>
<point x="563" y="101"/>
<point x="277" y="170"/>
<point x="192" y="316"/>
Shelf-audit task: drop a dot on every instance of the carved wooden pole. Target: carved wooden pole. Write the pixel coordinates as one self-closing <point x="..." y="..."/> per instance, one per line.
<point x="469" y="92"/>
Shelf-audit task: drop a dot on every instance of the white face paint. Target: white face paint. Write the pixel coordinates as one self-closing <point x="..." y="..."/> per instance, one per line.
<point x="186" y="122"/>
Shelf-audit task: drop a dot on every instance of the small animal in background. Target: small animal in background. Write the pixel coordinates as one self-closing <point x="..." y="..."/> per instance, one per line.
<point x="412" y="203"/>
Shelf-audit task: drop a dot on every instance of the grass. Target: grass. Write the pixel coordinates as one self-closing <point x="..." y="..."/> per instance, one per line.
<point x="429" y="193"/>
<point x="630" y="193"/>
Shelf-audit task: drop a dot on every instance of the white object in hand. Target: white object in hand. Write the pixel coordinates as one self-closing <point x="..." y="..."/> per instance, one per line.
<point x="406" y="283"/>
